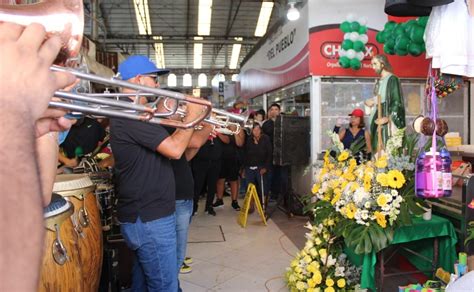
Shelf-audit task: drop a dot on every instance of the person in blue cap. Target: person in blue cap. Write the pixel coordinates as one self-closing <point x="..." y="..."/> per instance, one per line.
<point x="146" y="185"/>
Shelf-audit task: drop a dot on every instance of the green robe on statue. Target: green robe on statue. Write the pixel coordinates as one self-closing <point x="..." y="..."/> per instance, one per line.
<point x="393" y="107"/>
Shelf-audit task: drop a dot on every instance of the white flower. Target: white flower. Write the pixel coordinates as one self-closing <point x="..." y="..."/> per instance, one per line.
<point x="339" y="271"/>
<point x="367" y="205"/>
<point x="360" y="195"/>
<point x="365" y="215"/>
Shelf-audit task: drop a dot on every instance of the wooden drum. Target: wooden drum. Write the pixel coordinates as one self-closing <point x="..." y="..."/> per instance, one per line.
<point x="61" y="267"/>
<point x="79" y="189"/>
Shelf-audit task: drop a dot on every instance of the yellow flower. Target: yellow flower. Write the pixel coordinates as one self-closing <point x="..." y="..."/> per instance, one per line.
<point x="395" y="179"/>
<point x="300" y="285"/>
<point x="317" y="241"/>
<point x="307" y="259"/>
<point x="294" y="263"/>
<point x="382" y="200"/>
<point x="317" y="278"/>
<point x="382" y="179"/>
<point x="329" y="289"/>
<point x="381" y="162"/>
<point x="367" y="184"/>
<point x="329" y="282"/>
<point x="334" y="183"/>
<point x="349" y="176"/>
<point x="338" y="172"/>
<point x="352" y="163"/>
<point x="343" y="156"/>
<point x="341" y="283"/>
<point x="337" y="196"/>
<point x="380" y="219"/>
<point x="351" y="210"/>
<point x="311" y="283"/>
<point x="344" y="184"/>
<point x="310" y="289"/>
<point x="354" y="187"/>
<point x="323" y="252"/>
<point x="315" y="188"/>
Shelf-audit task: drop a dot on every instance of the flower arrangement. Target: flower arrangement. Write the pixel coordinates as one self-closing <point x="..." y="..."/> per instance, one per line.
<point x="321" y="265"/>
<point x="370" y="199"/>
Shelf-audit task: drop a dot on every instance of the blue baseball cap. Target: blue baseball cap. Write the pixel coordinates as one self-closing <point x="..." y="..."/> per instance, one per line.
<point x="138" y="65"/>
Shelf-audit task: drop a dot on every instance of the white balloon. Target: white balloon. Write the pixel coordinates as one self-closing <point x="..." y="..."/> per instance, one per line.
<point x="351" y="17"/>
<point x="360" y="56"/>
<point x="363" y="38"/>
<point x="347" y="35"/>
<point x="363" y="20"/>
<point x="342" y="52"/>
<point x="354" y="36"/>
<point x="351" y="54"/>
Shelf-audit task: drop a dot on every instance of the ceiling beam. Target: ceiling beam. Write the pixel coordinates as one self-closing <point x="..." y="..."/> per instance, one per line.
<point x="136" y="39"/>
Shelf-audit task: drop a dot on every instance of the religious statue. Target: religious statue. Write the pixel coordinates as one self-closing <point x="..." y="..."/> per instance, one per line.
<point x="387" y="106"/>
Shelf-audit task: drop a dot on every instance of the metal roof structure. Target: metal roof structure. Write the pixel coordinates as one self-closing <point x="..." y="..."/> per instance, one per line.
<point x="176" y="22"/>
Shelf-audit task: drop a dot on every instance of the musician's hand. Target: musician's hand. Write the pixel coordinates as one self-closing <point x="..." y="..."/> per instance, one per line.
<point x="339" y="122"/>
<point x="24" y="69"/>
<point x="52" y="120"/>
<point x="193" y="111"/>
<point x="369" y="102"/>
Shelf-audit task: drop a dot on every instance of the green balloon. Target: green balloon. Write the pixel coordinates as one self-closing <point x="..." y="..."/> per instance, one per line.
<point x="355" y="64"/>
<point x="344" y="62"/>
<point x="390" y="43"/>
<point x="345" y="26"/>
<point x="359" y="46"/>
<point x="355" y="26"/>
<point x="422" y="21"/>
<point x="347" y="44"/>
<point x="380" y="37"/>
<point x="402" y="43"/>
<point x="388" y="50"/>
<point x="390" y="25"/>
<point x="399" y="30"/>
<point x="415" y="49"/>
<point x="401" y="52"/>
<point x="416" y="34"/>
<point x="363" y="29"/>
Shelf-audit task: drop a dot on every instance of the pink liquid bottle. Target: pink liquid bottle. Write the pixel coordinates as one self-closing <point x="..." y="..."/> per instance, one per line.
<point x="433" y="174"/>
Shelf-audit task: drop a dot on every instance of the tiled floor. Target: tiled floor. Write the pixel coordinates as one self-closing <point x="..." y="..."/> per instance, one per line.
<point x="228" y="257"/>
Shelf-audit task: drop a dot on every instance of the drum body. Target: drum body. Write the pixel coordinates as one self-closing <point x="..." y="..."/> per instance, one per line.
<point x="61" y="269"/>
<point x="79" y="190"/>
<point x="106" y="197"/>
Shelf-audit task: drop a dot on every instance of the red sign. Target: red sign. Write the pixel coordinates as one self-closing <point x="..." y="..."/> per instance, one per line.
<point x="325" y="43"/>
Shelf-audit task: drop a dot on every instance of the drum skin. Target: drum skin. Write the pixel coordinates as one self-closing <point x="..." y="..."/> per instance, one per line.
<point x="90" y="242"/>
<point x="66" y="277"/>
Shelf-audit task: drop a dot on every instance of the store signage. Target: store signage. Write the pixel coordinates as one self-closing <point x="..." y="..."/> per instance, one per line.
<point x="330" y="50"/>
<point x="281" y="45"/>
<point x="325" y="43"/>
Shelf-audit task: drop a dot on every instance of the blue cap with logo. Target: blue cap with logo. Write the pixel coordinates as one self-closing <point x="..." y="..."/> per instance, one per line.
<point x="138" y="65"/>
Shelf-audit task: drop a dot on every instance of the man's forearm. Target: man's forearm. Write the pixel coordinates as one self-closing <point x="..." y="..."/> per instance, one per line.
<point x="47" y="153"/>
<point x="21" y="213"/>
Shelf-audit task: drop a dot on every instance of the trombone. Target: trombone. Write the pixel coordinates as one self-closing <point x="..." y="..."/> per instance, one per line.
<point x="99" y="104"/>
<point x="221" y="119"/>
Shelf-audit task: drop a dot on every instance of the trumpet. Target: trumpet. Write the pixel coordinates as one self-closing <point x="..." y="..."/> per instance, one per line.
<point x="65" y="18"/>
<point x="223" y="121"/>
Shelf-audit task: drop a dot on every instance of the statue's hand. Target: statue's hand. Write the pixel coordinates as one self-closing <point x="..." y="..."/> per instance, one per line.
<point x="381" y="121"/>
<point x="369" y="102"/>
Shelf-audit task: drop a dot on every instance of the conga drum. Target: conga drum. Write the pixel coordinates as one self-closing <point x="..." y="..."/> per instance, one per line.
<point x="79" y="189"/>
<point x="61" y="267"/>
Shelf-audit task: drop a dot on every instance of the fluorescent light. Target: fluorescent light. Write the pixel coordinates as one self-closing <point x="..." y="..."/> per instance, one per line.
<point x="198" y="53"/>
<point x="204" y="17"/>
<point x="142" y="15"/>
<point x="159" y="53"/>
<point x="234" y="58"/>
<point x="293" y="13"/>
<point x="264" y="19"/>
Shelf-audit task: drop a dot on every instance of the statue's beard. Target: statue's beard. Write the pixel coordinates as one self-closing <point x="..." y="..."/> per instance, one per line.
<point x="378" y="71"/>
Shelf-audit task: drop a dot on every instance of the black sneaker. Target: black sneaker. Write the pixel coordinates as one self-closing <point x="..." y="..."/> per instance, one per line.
<point x="235" y="205"/>
<point x="218" y="203"/>
<point x="211" y="211"/>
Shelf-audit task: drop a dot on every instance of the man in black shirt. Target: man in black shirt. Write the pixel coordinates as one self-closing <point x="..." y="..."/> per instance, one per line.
<point x="146" y="186"/>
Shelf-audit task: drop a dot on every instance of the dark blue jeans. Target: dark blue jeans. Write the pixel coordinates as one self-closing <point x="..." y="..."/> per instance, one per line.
<point x="154" y="243"/>
<point x="253" y="177"/>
